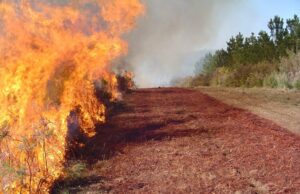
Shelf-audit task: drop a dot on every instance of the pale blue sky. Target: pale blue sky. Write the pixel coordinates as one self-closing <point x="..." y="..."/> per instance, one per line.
<point x="253" y="16"/>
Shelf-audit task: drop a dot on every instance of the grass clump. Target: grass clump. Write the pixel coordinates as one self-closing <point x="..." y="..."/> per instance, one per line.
<point x="74" y="170"/>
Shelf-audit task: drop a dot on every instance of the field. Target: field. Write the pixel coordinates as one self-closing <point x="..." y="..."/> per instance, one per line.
<point x="173" y="140"/>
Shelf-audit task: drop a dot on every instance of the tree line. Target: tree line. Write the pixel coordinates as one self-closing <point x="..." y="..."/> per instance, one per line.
<point x="266" y="59"/>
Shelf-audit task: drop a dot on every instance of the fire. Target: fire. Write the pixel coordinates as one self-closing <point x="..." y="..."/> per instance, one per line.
<point x="50" y="56"/>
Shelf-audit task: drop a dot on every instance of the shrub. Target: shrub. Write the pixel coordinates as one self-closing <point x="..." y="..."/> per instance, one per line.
<point x="270" y="81"/>
<point x="223" y="77"/>
<point x="254" y="80"/>
<point x="290" y="70"/>
<point x="74" y="170"/>
<point x="283" y="80"/>
<point x="278" y="80"/>
<point x="200" y="80"/>
<point x="297" y="84"/>
<point x="290" y="64"/>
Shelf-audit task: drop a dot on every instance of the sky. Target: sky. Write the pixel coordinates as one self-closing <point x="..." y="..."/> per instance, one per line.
<point x="260" y="12"/>
<point x="174" y="34"/>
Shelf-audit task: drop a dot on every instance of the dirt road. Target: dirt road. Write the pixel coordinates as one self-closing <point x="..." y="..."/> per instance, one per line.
<point x="182" y="141"/>
<point x="279" y="105"/>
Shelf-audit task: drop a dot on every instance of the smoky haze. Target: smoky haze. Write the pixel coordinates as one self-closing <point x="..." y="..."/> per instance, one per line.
<point x="172" y="36"/>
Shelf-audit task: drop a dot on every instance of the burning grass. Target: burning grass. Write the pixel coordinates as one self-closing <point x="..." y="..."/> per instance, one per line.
<point x="50" y="56"/>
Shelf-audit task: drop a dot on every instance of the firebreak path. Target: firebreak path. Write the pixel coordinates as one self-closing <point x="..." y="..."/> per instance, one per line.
<point x="172" y="140"/>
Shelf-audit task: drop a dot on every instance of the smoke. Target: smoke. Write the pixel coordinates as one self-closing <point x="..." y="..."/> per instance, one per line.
<point x="172" y="36"/>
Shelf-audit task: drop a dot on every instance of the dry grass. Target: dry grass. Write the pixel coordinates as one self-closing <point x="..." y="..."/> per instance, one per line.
<point x="280" y="106"/>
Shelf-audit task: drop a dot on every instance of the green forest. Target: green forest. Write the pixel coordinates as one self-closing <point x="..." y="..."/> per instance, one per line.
<point x="268" y="59"/>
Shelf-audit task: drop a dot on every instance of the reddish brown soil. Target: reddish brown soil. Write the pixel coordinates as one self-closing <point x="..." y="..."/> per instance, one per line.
<point x="172" y="140"/>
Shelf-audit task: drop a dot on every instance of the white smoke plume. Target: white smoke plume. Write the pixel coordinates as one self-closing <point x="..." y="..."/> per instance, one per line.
<point x="172" y="35"/>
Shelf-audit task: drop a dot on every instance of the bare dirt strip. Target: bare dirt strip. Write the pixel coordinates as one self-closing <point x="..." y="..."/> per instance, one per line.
<point x="172" y="140"/>
<point x="279" y="105"/>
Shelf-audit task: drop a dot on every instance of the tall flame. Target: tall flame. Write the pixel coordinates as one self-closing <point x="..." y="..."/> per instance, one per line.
<point x="50" y="54"/>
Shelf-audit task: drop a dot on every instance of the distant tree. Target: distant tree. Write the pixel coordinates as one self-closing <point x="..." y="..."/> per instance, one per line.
<point x="280" y="35"/>
<point x="293" y="27"/>
<point x="222" y="58"/>
<point x="266" y="47"/>
<point x="235" y="48"/>
<point x="276" y="25"/>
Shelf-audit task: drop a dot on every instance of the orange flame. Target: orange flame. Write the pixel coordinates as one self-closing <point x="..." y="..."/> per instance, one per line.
<point x="49" y="56"/>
